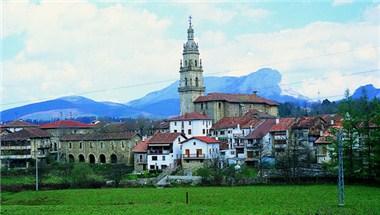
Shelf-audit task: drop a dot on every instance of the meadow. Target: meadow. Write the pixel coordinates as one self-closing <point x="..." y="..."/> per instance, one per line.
<point x="308" y="199"/>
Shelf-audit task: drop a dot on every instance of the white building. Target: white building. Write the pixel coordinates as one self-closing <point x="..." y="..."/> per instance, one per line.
<point x="198" y="150"/>
<point x="164" y="150"/>
<point x="191" y="124"/>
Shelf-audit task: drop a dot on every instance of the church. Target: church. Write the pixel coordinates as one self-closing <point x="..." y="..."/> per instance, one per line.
<point x="215" y="105"/>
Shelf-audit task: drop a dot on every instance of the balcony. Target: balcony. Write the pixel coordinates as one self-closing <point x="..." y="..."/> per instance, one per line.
<point x="15" y="156"/>
<point x="158" y="152"/>
<point x="141" y="161"/>
<point x="15" y="147"/>
<point x="193" y="156"/>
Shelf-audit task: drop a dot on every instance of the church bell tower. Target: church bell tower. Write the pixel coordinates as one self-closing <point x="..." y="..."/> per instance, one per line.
<point x="191" y="84"/>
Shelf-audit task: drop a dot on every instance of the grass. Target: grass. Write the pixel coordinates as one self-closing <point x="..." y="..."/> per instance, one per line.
<point x="311" y="199"/>
<point x="30" y="180"/>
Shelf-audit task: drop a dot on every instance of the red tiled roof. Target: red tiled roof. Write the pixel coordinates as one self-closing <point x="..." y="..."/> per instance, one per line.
<point x="141" y="146"/>
<point x="159" y="138"/>
<point x="307" y="122"/>
<point x="190" y="116"/>
<point x="25" y="134"/>
<point x="208" y="140"/>
<point x="235" y="98"/>
<point x="262" y="129"/>
<point x="66" y="124"/>
<point x="18" y="124"/>
<point x="232" y="122"/>
<point x="324" y="140"/>
<point x="283" y="124"/>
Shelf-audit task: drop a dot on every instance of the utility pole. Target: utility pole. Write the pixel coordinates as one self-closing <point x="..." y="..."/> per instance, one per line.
<point x="340" y="170"/>
<point x="36" y="156"/>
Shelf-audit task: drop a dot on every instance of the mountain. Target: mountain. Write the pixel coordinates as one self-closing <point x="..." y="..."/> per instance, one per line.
<point x="265" y="81"/>
<point x="161" y="103"/>
<point x="369" y="90"/>
<point x="71" y="106"/>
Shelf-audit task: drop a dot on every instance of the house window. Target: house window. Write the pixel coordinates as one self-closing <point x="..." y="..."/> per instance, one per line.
<point x="101" y="145"/>
<point x="122" y="145"/>
<point x="141" y="157"/>
<point x="189" y="131"/>
<point x="182" y="131"/>
<point x="154" y="158"/>
<point x="151" y="167"/>
<point x="221" y="132"/>
<point x="163" y="158"/>
<point x="91" y="145"/>
<point x="175" y="123"/>
<point x="179" y="139"/>
<point x="70" y="145"/>
<point x="175" y="131"/>
<point x="189" y="122"/>
<point x="201" y="106"/>
<point x="80" y="145"/>
<point x="113" y="147"/>
<point x="220" y="105"/>
<point x="194" y="143"/>
<point x="203" y="131"/>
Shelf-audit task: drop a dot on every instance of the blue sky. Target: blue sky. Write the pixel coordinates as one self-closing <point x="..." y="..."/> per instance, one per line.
<point x="57" y="48"/>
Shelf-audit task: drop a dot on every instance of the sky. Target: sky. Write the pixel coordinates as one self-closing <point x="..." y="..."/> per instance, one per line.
<point x="118" y="51"/>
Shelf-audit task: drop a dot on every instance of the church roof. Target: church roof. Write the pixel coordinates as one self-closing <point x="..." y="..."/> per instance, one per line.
<point x="235" y="98"/>
<point x="190" y="116"/>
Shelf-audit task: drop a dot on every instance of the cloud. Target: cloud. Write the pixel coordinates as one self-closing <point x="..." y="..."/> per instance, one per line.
<point x="76" y="48"/>
<point x="341" y="2"/>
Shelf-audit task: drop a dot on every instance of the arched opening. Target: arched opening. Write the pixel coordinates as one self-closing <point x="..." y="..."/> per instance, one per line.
<point x="102" y="158"/>
<point x="91" y="158"/>
<point x="113" y="158"/>
<point x="196" y="82"/>
<point x="81" y="158"/>
<point x="191" y="81"/>
<point x="71" y="158"/>
<point x="186" y="82"/>
<point x="196" y="63"/>
<point x="185" y="62"/>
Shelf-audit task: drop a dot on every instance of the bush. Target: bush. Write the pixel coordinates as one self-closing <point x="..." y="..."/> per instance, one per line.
<point x="82" y="175"/>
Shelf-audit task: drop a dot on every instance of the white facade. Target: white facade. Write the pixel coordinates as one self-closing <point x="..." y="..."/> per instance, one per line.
<point x="195" y="127"/>
<point x="194" y="148"/>
<point x="162" y="156"/>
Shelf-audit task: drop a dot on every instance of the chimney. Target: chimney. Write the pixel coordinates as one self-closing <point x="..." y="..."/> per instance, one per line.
<point x="255" y="92"/>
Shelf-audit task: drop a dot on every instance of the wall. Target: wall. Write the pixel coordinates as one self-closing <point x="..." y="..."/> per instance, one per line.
<point x="196" y="127"/>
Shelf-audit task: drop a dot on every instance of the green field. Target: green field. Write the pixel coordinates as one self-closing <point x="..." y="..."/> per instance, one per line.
<point x="312" y="199"/>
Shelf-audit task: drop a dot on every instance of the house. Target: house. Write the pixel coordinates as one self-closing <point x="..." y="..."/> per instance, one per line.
<point x="258" y="144"/>
<point x="100" y="147"/>
<point x="220" y="105"/>
<point x="140" y="156"/>
<point x="164" y="150"/>
<point x="233" y="130"/>
<point x="281" y="134"/>
<point x="191" y="124"/>
<point x="323" y="147"/>
<point x="306" y="131"/>
<point x="17" y="125"/>
<point x="20" y="148"/>
<point x="198" y="150"/>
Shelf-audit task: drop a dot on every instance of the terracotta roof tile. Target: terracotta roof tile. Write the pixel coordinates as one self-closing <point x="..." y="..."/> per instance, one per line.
<point x="26" y="133"/>
<point x="262" y="129"/>
<point x="190" y="116"/>
<point x="235" y="98"/>
<point x="66" y="124"/>
<point x="141" y="146"/>
<point x="159" y="138"/>
<point x="233" y="122"/>
<point x="283" y="124"/>
<point x="208" y="140"/>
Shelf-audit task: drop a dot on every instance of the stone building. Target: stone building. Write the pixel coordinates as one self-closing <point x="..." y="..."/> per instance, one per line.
<point x="140" y="156"/>
<point x="191" y="74"/>
<point x="219" y="105"/>
<point x="100" y="147"/>
<point x="62" y="128"/>
<point x="20" y="148"/>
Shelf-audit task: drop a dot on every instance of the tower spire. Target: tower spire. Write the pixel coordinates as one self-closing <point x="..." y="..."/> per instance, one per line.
<point x="190" y="31"/>
<point x="190" y="22"/>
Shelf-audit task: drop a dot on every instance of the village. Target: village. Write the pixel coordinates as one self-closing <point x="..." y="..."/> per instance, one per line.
<point x="217" y="129"/>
